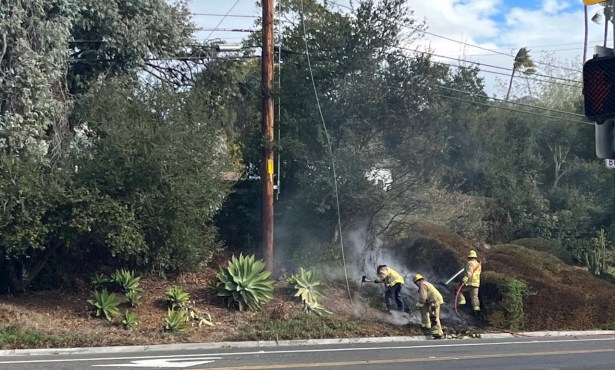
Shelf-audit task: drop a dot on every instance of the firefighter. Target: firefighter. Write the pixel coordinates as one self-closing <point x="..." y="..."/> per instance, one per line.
<point x="429" y="303"/>
<point x="393" y="281"/>
<point x="471" y="282"/>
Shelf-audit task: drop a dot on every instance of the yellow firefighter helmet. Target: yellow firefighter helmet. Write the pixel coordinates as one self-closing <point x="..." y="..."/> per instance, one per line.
<point x="472" y="254"/>
<point x="417" y="277"/>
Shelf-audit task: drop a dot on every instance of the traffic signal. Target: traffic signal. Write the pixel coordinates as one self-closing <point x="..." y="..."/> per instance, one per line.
<point x="599" y="88"/>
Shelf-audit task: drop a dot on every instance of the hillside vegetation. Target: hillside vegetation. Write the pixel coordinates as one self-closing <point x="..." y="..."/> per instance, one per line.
<point x="130" y="161"/>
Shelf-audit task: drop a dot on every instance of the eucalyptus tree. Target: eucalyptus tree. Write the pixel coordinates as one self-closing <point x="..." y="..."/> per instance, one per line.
<point x="52" y="53"/>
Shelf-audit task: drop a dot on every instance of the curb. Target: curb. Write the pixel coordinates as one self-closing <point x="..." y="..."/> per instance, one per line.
<point x="282" y="343"/>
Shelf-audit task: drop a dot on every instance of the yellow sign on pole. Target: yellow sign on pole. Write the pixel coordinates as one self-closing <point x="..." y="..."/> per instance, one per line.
<point x="592" y="2"/>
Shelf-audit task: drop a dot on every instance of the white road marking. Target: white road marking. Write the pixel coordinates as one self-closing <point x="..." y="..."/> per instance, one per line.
<point x="343" y="349"/>
<point x="164" y="362"/>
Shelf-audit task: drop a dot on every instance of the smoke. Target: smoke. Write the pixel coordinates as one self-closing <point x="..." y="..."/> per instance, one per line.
<point x="365" y="250"/>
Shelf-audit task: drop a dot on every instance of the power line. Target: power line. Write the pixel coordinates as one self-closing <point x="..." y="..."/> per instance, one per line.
<point x="514" y="103"/>
<point x="216" y="29"/>
<point x="484" y="64"/>
<point x="223" y="18"/>
<point x="490" y="50"/>
<point x="225" y="15"/>
<point x="178" y="58"/>
<point x="322" y="118"/>
<point x="514" y="110"/>
<point x="476" y="46"/>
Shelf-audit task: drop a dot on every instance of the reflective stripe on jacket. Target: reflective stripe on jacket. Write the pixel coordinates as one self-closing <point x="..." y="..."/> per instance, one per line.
<point x="429" y="294"/>
<point x="473" y="270"/>
<point x="390" y="277"/>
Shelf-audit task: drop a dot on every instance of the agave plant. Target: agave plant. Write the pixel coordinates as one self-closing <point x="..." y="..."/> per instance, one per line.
<point x="130" y="320"/>
<point x="126" y="280"/>
<point x="244" y="283"/>
<point x="309" y="289"/>
<point x="100" y="280"/>
<point x="106" y="304"/>
<point x="176" y="320"/>
<point x="133" y="297"/>
<point x="177" y="297"/>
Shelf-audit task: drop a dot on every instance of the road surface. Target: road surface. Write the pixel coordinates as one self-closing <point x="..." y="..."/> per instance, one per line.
<point x="573" y="353"/>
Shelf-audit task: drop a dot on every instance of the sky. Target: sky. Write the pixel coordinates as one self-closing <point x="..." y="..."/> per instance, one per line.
<point x="553" y="30"/>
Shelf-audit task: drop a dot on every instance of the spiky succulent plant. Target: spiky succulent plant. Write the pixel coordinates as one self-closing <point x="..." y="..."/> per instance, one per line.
<point x="245" y="283"/>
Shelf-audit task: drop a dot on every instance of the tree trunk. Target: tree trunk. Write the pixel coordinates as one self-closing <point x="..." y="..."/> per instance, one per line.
<point x="512" y="75"/>
<point x="585" y="38"/>
<point x="606" y="30"/>
<point x="20" y="276"/>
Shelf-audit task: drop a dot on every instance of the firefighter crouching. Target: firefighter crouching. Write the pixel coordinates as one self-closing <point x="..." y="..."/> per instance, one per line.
<point x="429" y="303"/>
<point x="471" y="283"/>
<point x="394" y="281"/>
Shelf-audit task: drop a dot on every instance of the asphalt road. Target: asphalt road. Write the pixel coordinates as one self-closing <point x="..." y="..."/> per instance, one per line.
<point x="587" y="353"/>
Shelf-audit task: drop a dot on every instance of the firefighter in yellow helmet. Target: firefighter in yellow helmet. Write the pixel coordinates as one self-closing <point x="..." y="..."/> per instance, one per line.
<point x="429" y="301"/>
<point x="471" y="282"/>
<point x="393" y="281"/>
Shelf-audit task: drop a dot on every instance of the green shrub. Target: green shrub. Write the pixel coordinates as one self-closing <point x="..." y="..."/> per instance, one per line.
<point x="176" y="320"/>
<point x="126" y="280"/>
<point x="504" y="297"/>
<point x="610" y="326"/>
<point x="105" y="304"/>
<point x="130" y="320"/>
<point x="177" y="298"/>
<point x="309" y="289"/>
<point x="243" y="283"/>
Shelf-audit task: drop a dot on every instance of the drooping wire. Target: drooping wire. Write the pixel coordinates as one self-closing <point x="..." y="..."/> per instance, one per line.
<point x="324" y="125"/>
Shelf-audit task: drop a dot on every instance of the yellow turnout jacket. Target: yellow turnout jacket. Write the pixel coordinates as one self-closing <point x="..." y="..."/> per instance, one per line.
<point x="472" y="271"/>
<point x="390" y="277"/>
<point x="429" y="294"/>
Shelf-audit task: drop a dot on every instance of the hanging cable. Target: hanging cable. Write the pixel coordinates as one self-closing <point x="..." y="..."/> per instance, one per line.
<point x="324" y="125"/>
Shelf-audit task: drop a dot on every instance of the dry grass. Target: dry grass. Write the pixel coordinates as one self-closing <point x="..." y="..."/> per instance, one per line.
<point x="561" y="297"/>
<point x="63" y="319"/>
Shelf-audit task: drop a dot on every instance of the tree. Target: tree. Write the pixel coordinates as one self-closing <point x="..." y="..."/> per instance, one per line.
<point x="162" y="156"/>
<point x="523" y="63"/>
<point x="64" y="194"/>
<point x="586" y="33"/>
<point x="607" y="13"/>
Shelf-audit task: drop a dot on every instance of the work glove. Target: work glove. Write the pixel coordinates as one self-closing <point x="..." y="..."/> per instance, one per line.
<point x="465" y="280"/>
<point x="419" y="305"/>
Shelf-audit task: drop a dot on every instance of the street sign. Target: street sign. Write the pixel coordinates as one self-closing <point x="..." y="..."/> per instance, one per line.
<point x="610" y="163"/>
<point x="592" y="2"/>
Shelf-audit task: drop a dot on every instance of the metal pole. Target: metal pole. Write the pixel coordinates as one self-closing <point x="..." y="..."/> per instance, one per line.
<point x="267" y="129"/>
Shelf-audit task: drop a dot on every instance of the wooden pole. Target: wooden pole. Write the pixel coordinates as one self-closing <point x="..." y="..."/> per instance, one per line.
<point x="267" y="128"/>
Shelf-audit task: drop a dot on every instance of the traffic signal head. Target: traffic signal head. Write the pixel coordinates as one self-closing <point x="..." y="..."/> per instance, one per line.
<point x="599" y="88"/>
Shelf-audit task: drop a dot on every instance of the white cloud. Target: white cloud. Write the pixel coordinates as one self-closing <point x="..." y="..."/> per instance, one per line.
<point x="550" y="26"/>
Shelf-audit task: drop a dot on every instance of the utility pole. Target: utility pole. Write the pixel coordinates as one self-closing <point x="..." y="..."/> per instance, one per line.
<point x="267" y="128"/>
